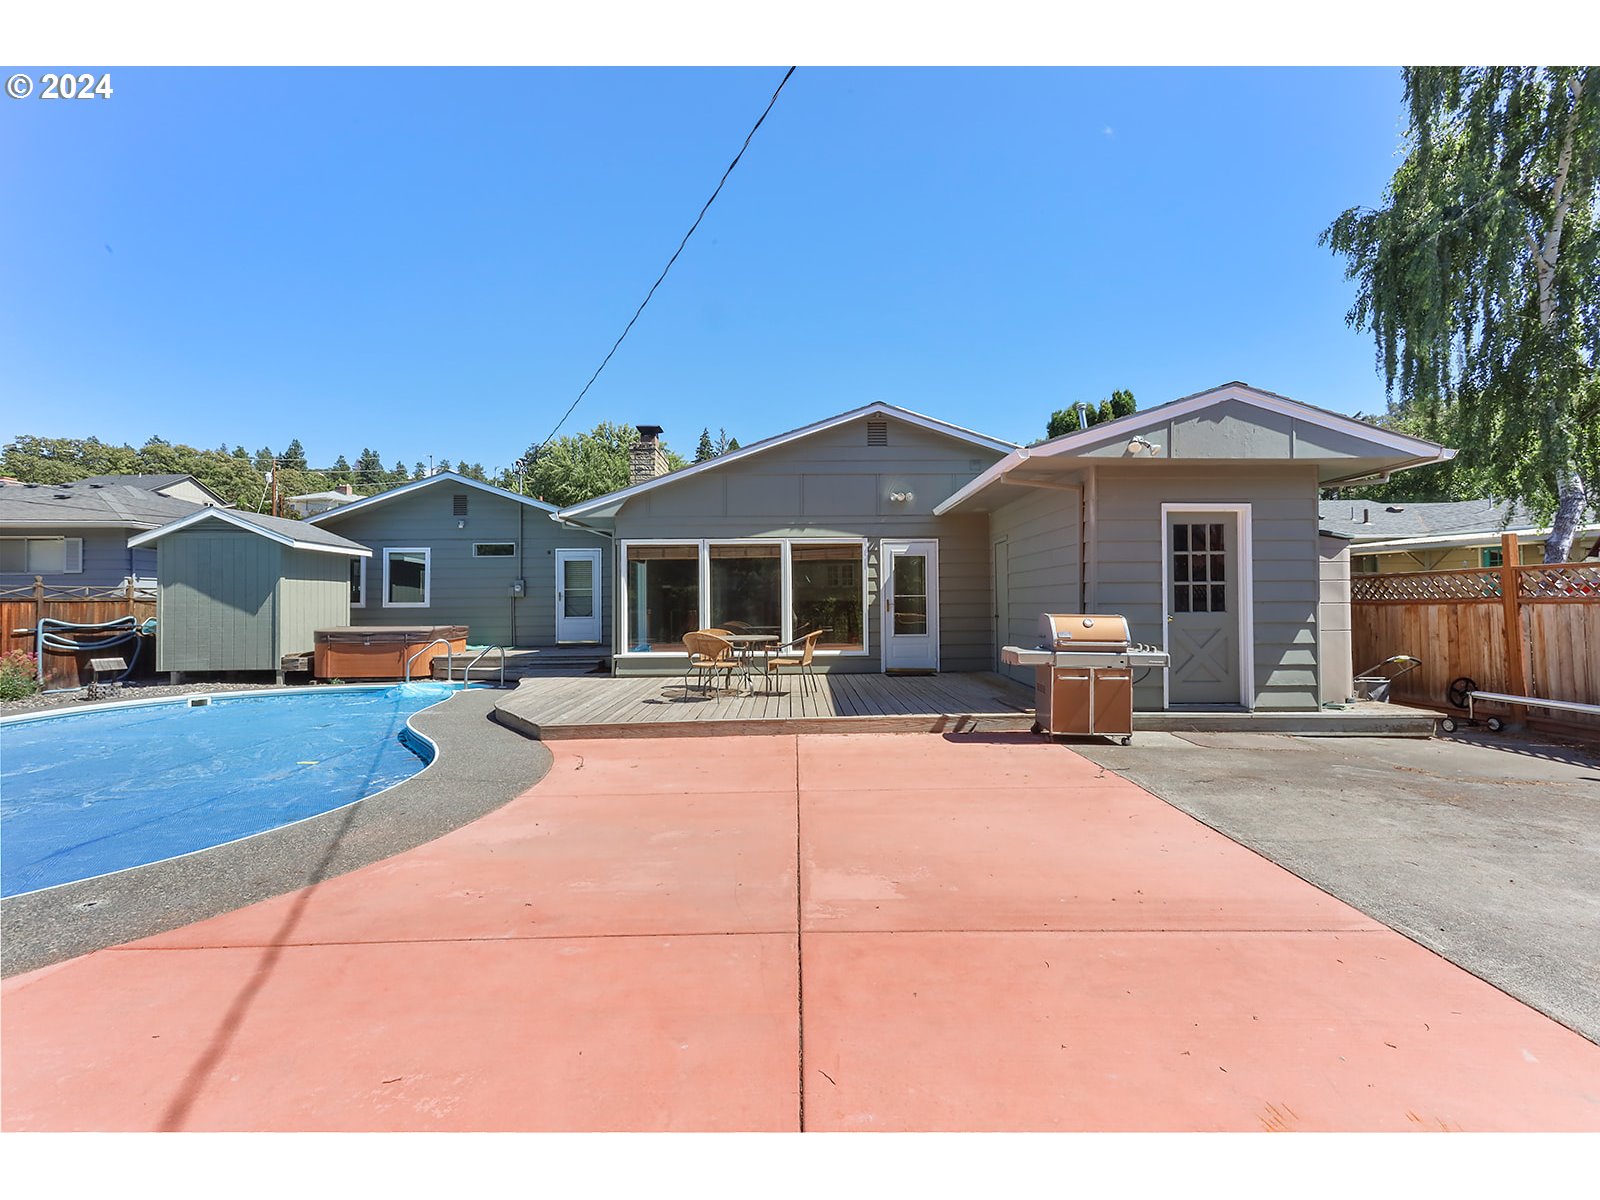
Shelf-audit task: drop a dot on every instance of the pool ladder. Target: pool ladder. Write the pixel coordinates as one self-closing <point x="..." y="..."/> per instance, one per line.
<point x="449" y="661"/>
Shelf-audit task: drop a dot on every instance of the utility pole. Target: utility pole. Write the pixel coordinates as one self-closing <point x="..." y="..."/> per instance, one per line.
<point x="274" y="487"/>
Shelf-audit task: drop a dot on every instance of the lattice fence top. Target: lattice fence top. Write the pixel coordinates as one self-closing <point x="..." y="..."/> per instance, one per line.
<point x="1427" y="585"/>
<point x="1566" y="581"/>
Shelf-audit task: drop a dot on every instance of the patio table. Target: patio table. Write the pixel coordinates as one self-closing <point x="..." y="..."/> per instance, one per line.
<point x="746" y="646"/>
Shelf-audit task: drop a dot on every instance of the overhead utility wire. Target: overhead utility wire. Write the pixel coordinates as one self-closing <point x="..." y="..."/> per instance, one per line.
<point x="670" y="261"/>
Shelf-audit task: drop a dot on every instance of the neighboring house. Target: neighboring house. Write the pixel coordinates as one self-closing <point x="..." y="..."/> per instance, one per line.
<point x="314" y="504"/>
<point x="178" y="487"/>
<point x="76" y="534"/>
<point x="238" y="591"/>
<point x="448" y="550"/>
<point x="1407" y="535"/>
<point x="924" y="546"/>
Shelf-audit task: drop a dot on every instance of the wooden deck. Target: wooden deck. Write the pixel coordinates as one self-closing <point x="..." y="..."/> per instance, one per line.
<point x="661" y="706"/>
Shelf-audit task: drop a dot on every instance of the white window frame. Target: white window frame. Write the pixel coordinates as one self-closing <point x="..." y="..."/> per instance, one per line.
<point x="427" y="576"/>
<point x="513" y="553"/>
<point x="361" y="603"/>
<point x="65" y="557"/>
<point x="786" y="598"/>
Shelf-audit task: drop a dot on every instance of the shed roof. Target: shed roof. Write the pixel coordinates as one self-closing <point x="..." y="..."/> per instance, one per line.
<point x="86" y="504"/>
<point x="299" y="535"/>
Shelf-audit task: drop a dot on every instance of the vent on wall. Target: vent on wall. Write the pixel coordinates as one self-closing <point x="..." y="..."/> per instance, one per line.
<point x="877" y="433"/>
<point x="458" y="506"/>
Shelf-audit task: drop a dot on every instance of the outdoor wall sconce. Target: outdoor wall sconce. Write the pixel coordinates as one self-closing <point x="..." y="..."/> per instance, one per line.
<point x="902" y="497"/>
<point x="1138" y="445"/>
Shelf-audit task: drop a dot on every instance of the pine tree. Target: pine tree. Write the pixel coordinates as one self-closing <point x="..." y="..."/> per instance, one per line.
<point x="705" y="451"/>
<point x="293" y="458"/>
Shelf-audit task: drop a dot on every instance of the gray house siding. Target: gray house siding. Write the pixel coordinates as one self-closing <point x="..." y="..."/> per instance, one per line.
<point x="313" y="594"/>
<point x="832" y="484"/>
<point x="107" y="560"/>
<point x="463" y="589"/>
<point x="215" y="600"/>
<point x="1037" y="541"/>
<point x="1126" y="575"/>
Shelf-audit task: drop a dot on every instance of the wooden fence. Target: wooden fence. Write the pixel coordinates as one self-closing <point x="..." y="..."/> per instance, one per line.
<point x="22" y="608"/>
<point x="1525" y="630"/>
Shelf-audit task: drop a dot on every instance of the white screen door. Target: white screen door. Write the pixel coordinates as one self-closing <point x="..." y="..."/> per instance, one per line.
<point x="910" y="589"/>
<point x="577" y="595"/>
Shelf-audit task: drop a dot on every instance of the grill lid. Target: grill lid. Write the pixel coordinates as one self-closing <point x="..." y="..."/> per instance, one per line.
<point x="1083" y="631"/>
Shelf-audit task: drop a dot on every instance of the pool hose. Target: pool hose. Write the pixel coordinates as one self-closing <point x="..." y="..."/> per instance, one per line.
<point x="125" y="629"/>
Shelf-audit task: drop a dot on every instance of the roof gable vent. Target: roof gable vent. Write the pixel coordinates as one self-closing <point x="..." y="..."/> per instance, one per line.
<point x="877" y="433"/>
<point x="458" y="505"/>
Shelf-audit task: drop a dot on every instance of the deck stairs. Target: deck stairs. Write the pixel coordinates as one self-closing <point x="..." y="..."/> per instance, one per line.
<point x="529" y="663"/>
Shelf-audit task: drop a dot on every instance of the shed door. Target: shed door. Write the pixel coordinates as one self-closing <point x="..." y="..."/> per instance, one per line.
<point x="1202" y="581"/>
<point x="577" y="595"/>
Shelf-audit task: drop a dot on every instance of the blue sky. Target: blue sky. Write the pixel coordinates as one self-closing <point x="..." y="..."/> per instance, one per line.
<point x="434" y="261"/>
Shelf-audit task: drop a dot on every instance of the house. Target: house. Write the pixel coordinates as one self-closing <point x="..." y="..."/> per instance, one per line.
<point x="75" y="535"/>
<point x="178" y="487"/>
<point x="448" y="550"/>
<point x="1408" y="535"/>
<point x="315" y="503"/>
<point x="923" y="546"/>
<point x="238" y="591"/>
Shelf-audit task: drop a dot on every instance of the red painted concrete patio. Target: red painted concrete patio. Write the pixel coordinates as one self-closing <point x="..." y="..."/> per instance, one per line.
<point x="891" y="932"/>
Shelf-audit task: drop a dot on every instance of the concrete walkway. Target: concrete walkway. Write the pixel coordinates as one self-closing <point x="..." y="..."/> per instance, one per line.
<point x="873" y="932"/>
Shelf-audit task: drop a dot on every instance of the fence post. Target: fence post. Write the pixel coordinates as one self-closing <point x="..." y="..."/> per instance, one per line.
<point x="1516" y="644"/>
<point x="38" y="601"/>
<point x="130" y="596"/>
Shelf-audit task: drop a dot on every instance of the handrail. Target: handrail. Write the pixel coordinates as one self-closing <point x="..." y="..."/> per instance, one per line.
<point x="447" y="656"/>
<point x="466" y="676"/>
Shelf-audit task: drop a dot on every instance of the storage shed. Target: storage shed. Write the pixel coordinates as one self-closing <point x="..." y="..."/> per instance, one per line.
<point x="239" y="591"/>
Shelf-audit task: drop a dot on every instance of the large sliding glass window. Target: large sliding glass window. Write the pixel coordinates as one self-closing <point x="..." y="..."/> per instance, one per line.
<point x="663" y="596"/>
<point x="747" y="587"/>
<point x="829" y="584"/>
<point x="784" y="588"/>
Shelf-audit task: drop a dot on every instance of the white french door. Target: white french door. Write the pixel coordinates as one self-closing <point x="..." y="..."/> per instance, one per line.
<point x="577" y="595"/>
<point x="909" y="585"/>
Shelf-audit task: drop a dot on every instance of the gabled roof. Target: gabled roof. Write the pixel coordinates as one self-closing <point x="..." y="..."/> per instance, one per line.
<point x="1403" y="524"/>
<point x="1401" y="450"/>
<point x="154" y="483"/>
<point x="877" y="408"/>
<point x="299" y="535"/>
<point x="88" y="505"/>
<point x="334" y="497"/>
<point x="450" y="477"/>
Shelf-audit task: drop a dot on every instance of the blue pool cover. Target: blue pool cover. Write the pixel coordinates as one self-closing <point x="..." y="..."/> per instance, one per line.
<point x="87" y="793"/>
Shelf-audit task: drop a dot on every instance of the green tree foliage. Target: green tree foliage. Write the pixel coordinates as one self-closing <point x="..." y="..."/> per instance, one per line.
<point x="1066" y="420"/>
<point x="733" y="444"/>
<point x="294" y="457"/>
<point x="1479" y="278"/>
<point x="340" y="472"/>
<point x="580" y="466"/>
<point x="706" y="450"/>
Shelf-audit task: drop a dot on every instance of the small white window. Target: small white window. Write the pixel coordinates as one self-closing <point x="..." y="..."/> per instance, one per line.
<point x="494" y="549"/>
<point x="406" y="577"/>
<point x="358" y="583"/>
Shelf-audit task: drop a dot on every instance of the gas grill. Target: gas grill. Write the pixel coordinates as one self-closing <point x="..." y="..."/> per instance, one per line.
<point x="1083" y="673"/>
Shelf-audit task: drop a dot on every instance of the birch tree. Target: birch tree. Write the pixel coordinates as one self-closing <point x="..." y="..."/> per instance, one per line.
<point x="1479" y="279"/>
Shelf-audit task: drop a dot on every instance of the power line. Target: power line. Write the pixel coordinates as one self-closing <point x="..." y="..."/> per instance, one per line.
<point x="668" y="267"/>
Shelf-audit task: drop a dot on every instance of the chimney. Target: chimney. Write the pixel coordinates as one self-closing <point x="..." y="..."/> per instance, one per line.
<point x="344" y="489"/>
<point x="646" y="460"/>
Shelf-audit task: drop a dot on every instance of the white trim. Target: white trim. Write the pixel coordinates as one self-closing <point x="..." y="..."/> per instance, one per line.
<point x="877" y="408"/>
<point x="1449" y="541"/>
<point x="703" y="582"/>
<point x="1244" y="538"/>
<point x="887" y="547"/>
<point x="404" y="489"/>
<point x="229" y="517"/>
<point x="1424" y="451"/>
<point x="597" y="556"/>
<point x="363" y="601"/>
<point x="427" y="576"/>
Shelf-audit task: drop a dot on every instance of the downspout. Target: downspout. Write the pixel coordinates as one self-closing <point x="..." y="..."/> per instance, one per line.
<point x="522" y="537"/>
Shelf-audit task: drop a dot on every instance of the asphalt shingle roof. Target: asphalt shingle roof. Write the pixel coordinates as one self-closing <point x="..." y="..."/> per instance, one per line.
<point x="1380" y="521"/>
<point x="117" y="505"/>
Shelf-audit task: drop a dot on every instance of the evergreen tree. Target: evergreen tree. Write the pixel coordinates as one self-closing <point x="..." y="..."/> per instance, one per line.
<point x="1122" y="404"/>
<point x="293" y="458"/>
<point x="341" y="470"/>
<point x="733" y="444"/>
<point x="705" y="451"/>
<point x="420" y="471"/>
<point x="369" y="469"/>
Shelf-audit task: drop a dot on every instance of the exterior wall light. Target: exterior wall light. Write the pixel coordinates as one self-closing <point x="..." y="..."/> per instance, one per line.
<point x="1138" y="445"/>
<point x="902" y="497"/>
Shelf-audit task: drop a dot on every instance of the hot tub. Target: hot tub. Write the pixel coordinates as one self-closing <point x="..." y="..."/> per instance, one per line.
<point x="381" y="651"/>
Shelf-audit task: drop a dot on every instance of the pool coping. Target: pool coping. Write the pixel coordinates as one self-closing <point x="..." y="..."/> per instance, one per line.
<point x="478" y="766"/>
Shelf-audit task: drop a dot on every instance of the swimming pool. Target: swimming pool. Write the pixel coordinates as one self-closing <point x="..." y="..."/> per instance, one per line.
<point x="87" y="793"/>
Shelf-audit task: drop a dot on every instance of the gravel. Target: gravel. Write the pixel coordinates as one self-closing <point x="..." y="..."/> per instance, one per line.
<point x="134" y="689"/>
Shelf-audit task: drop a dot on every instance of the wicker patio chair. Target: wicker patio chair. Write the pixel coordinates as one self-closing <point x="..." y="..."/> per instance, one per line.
<point x="709" y="652"/>
<point x="801" y="663"/>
